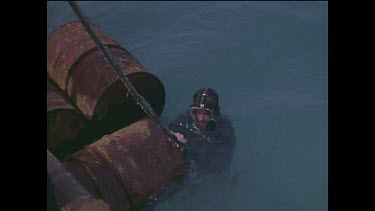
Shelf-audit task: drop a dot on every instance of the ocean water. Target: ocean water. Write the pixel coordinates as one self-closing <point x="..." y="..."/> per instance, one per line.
<point x="268" y="60"/>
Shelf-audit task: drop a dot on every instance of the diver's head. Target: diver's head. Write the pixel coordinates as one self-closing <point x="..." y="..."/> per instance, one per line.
<point x="205" y="107"/>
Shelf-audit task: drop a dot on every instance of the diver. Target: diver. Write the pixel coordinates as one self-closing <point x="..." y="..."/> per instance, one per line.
<point x="208" y="134"/>
<point x="209" y="141"/>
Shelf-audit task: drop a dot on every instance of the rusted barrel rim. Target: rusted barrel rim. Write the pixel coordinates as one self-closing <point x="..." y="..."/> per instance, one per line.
<point x="54" y="31"/>
<point x="129" y="76"/>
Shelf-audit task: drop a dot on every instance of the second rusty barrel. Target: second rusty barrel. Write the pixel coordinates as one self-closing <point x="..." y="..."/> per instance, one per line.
<point x="126" y="167"/>
<point x="65" y="124"/>
<point x="79" y="68"/>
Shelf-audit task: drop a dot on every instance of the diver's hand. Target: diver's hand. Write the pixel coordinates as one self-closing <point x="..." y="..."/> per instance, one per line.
<point x="180" y="137"/>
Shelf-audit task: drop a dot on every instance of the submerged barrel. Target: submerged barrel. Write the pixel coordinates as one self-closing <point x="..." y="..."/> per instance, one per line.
<point x="126" y="167"/>
<point x="67" y="193"/>
<point x="80" y="69"/>
<point x="64" y="123"/>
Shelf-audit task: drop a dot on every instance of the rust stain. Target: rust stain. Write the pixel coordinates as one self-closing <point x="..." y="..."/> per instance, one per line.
<point x="75" y="51"/>
<point x="140" y="158"/>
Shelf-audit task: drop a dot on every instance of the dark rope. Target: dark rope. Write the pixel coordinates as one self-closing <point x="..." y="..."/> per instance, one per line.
<point x="140" y="100"/>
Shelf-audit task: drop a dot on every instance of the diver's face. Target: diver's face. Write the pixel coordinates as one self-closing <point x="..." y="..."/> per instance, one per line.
<point x="202" y="118"/>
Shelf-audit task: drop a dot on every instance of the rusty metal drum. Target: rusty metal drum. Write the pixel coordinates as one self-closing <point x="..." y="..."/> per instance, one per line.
<point x="64" y="123"/>
<point x="66" y="192"/>
<point x="66" y="45"/>
<point x="126" y="167"/>
<point x="80" y="69"/>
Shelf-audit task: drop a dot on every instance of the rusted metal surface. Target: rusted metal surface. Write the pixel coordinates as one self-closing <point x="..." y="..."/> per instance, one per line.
<point x="80" y="69"/>
<point x="96" y="88"/>
<point x="82" y="72"/>
<point x="55" y="99"/>
<point x="66" y="45"/>
<point x="64" y="124"/>
<point x="69" y="193"/>
<point x="126" y="167"/>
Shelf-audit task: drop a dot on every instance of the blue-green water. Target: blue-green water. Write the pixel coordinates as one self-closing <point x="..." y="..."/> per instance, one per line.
<point x="269" y="63"/>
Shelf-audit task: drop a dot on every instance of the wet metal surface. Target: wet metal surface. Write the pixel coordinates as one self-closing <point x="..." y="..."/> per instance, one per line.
<point x="66" y="45"/>
<point x="126" y="167"/>
<point x="55" y="99"/>
<point x="92" y="78"/>
<point x="64" y="123"/>
<point x="69" y="193"/>
<point x="81" y="70"/>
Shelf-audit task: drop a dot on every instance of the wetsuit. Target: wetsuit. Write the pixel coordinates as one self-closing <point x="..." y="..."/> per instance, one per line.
<point x="209" y="150"/>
